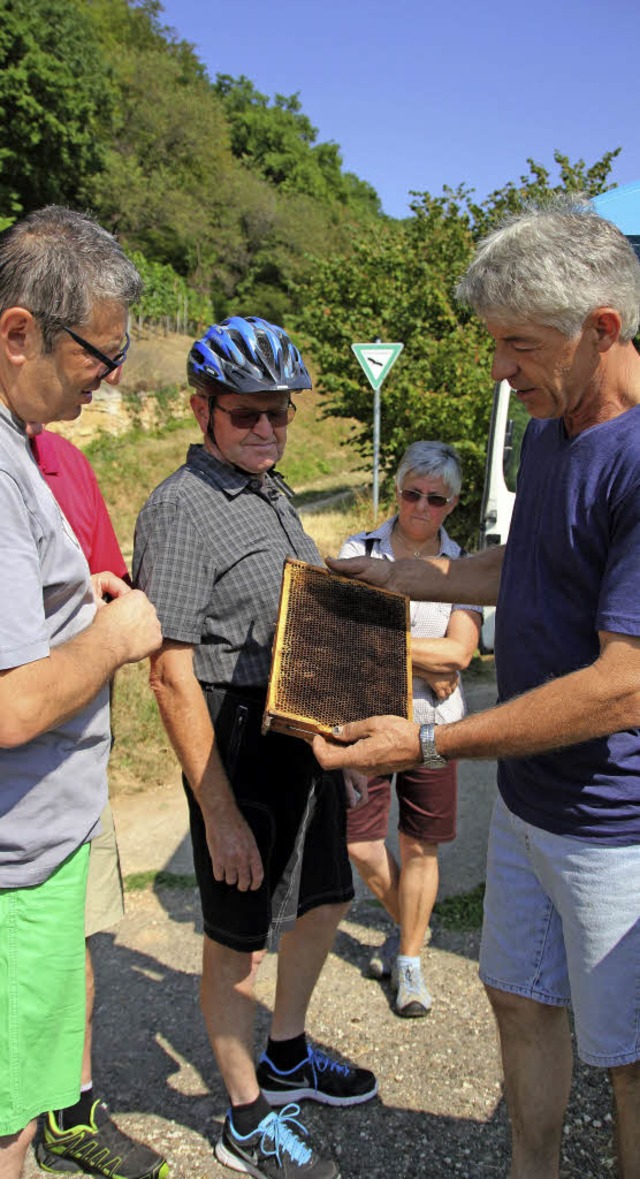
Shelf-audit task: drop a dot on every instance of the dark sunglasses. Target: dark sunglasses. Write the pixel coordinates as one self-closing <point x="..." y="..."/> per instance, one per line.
<point x="246" y="419"/>
<point x="111" y="363"/>
<point x="434" y="500"/>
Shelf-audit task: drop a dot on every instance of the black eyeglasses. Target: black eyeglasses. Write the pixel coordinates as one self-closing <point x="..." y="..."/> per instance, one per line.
<point x="434" y="500"/>
<point x="111" y="363"/>
<point x="246" y="419"/>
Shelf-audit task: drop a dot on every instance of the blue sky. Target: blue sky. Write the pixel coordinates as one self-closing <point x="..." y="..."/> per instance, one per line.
<point x="419" y="94"/>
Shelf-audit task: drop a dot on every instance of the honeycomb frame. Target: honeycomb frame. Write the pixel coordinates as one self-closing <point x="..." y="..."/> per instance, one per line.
<point x="341" y="652"/>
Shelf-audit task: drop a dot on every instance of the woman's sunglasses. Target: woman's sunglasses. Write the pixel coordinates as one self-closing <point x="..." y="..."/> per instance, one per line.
<point x="246" y="419"/>
<point x="433" y="499"/>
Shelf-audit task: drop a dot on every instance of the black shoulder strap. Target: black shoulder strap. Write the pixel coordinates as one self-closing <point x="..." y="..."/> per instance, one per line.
<point x="369" y="542"/>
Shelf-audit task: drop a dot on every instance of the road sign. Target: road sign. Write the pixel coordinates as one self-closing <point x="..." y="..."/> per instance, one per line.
<point x="377" y="360"/>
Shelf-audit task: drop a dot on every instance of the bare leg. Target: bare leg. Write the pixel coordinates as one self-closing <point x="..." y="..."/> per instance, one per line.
<point x="537" y="1061"/>
<point x="86" y="1076"/>
<point x="417" y="892"/>
<point x="13" y="1150"/>
<point x="626" y="1090"/>
<point x="380" y="872"/>
<point x="228" y="1006"/>
<point x="303" y="952"/>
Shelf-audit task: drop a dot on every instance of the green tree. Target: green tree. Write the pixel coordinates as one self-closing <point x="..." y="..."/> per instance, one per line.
<point x="103" y="106"/>
<point x="396" y="282"/>
<point x="55" y="99"/>
<point x="536" y="186"/>
<point x="278" y="140"/>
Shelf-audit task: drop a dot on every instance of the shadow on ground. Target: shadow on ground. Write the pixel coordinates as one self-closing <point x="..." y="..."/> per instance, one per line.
<point x="440" y="1111"/>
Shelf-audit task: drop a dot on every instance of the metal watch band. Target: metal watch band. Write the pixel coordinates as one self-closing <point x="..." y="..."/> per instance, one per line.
<point x="430" y="755"/>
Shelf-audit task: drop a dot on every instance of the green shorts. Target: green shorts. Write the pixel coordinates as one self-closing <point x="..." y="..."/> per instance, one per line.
<point x="42" y="994"/>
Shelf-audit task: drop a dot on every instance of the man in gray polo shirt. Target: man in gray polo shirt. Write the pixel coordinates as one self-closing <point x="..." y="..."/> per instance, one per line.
<point x="65" y="289"/>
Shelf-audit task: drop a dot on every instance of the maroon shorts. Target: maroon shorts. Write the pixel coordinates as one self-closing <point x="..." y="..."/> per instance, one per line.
<point x="427" y="807"/>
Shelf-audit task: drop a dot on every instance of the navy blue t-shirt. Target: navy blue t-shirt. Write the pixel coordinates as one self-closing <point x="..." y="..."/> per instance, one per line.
<point x="571" y="569"/>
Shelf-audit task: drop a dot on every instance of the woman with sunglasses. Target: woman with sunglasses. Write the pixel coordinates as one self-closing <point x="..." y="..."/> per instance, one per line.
<point x="443" y="640"/>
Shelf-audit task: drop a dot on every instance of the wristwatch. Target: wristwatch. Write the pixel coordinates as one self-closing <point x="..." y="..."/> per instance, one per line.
<point x="430" y="756"/>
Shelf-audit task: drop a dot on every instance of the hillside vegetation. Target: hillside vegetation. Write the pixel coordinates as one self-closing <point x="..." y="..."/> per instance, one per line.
<point x="231" y="204"/>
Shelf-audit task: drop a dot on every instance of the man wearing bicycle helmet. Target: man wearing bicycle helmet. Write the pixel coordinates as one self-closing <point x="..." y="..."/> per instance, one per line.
<point x="267" y="826"/>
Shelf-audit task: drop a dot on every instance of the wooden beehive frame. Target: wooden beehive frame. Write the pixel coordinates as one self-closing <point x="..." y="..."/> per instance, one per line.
<point x="303" y="722"/>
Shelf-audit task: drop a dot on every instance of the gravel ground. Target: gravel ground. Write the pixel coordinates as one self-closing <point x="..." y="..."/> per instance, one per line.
<point x="440" y="1110"/>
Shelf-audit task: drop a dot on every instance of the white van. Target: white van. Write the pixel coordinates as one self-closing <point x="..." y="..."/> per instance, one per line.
<point x="509" y="418"/>
<point x="508" y="423"/>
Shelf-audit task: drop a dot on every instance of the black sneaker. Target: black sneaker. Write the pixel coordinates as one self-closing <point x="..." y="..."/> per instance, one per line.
<point x="97" y="1149"/>
<point x="279" y="1148"/>
<point x="319" y="1078"/>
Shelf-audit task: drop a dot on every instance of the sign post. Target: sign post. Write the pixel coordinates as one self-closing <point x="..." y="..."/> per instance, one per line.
<point x="376" y="360"/>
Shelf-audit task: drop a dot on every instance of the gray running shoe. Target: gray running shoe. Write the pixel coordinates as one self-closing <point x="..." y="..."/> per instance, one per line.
<point x="412" y="997"/>
<point x="279" y="1148"/>
<point x="383" y="958"/>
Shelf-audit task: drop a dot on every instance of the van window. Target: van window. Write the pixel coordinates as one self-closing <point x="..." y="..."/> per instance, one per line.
<point x="514" y="433"/>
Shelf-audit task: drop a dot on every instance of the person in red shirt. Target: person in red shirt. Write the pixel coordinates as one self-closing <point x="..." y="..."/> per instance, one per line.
<point x="72" y="480"/>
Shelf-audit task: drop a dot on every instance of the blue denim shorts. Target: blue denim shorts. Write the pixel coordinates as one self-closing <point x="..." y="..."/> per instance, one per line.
<point x="562" y="927"/>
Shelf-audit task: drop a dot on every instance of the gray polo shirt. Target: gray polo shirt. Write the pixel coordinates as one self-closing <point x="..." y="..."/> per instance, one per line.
<point x="209" y="550"/>
<point x="53" y="788"/>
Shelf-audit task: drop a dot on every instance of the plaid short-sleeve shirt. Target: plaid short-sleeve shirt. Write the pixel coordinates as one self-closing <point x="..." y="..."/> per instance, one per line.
<point x="210" y="545"/>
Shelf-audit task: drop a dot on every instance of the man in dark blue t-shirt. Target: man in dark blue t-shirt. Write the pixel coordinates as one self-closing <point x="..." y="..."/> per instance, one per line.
<point x="559" y="291"/>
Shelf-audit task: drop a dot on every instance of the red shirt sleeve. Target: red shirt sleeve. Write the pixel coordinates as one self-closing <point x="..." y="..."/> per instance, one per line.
<point x="73" y="482"/>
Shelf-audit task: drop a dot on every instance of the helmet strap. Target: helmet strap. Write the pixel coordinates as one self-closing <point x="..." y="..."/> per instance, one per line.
<point x="210" y="434"/>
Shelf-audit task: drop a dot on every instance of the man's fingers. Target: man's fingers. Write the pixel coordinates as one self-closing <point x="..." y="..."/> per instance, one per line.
<point x="330" y="755"/>
<point x="353" y="731"/>
<point x="244" y="872"/>
<point x="109" y="583"/>
<point x="250" y="875"/>
<point x="364" y="568"/>
<point x="257" y="873"/>
<point x="346" y="566"/>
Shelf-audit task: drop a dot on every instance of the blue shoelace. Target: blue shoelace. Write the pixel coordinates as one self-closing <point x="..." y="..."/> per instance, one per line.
<point x="278" y="1127"/>
<point x="323" y="1063"/>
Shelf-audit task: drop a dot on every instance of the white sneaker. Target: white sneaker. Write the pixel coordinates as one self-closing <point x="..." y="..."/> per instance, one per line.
<point x="412" y="996"/>
<point x="383" y="957"/>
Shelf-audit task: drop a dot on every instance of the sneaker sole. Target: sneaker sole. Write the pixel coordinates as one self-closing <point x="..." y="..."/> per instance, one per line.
<point x="276" y="1097"/>
<point x="56" y="1164"/>
<point x="413" y="1010"/>
<point x="228" y="1159"/>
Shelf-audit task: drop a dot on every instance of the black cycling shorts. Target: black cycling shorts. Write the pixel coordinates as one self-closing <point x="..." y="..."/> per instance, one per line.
<point x="272" y="778"/>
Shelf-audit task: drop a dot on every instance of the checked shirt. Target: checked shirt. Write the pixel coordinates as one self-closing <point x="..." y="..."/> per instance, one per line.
<point x="210" y="545"/>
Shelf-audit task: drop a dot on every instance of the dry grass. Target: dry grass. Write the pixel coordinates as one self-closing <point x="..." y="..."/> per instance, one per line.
<point x="330" y="528"/>
<point x="318" y="463"/>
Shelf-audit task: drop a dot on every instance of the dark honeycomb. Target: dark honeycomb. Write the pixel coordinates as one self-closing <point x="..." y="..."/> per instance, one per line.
<point x="343" y="650"/>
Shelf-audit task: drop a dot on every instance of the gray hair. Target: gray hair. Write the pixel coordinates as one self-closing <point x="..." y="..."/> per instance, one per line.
<point x="555" y="264"/>
<point x="431" y="458"/>
<point x="57" y="264"/>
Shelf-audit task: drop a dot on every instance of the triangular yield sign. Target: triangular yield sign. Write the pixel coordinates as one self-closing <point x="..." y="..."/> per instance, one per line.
<point x="377" y="360"/>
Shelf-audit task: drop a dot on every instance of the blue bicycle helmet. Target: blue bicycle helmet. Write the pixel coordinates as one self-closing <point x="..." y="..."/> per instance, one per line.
<point x="246" y="356"/>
